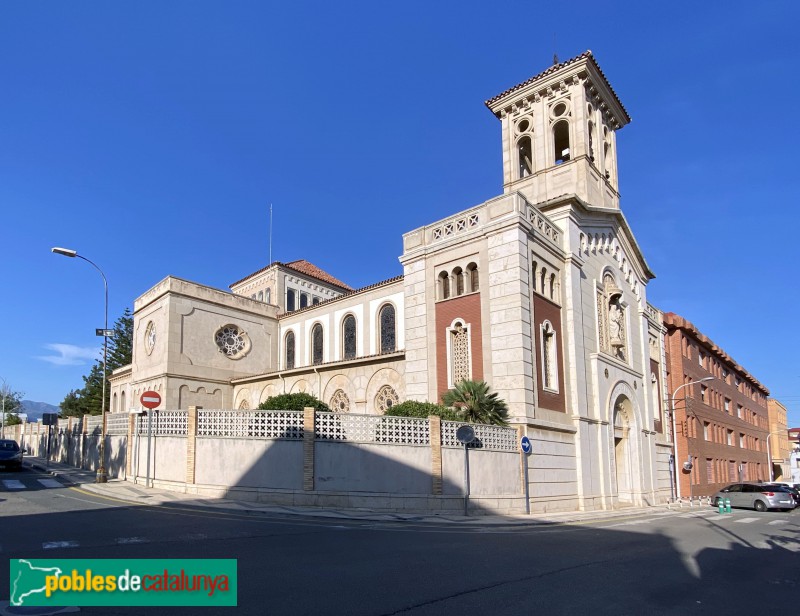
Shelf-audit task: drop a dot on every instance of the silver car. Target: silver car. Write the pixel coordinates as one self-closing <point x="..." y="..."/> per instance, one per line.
<point x="754" y="496"/>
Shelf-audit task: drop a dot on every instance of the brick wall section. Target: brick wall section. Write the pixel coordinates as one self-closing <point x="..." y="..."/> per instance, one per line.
<point x="435" y="431"/>
<point x="131" y="441"/>
<point x="682" y="369"/>
<point x="191" y="442"/>
<point x="468" y="308"/>
<point x="546" y="310"/>
<point x="309" y="428"/>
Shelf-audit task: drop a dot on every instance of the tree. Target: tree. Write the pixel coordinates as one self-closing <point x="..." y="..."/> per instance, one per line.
<point x="120" y="345"/>
<point x="11" y="403"/>
<point x="89" y="399"/>
<point x="292" y="402"/>
<point x="412" y="408"/>
<point x="475" y="404"/>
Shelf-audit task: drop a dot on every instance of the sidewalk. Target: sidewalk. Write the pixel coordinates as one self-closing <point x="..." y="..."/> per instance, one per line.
<point x="139" y="495"/>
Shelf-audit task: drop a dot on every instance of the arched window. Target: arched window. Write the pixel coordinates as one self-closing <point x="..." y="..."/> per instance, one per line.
<point x="290" y="299"/>
<point x="553" y="287"/>
<point x="316" y="344"/>
<point x="591" y="139"/>
<point x="561" y="141"/>
<point x="388" y="339"/>
<point x="114" y="407"/>
<point x="122" y="402"/>
<point x="542" y="280"/>
<point x="549" y="357"/>
<point x="261" y="296"/>
<point x="444" y="285"/>
<point x="268" y="296"/>
<point x="458" y="353"/>
<point x="303" y="300"/>
<point x="472" y="275"/>
<point x="289" y="363"/>
<point x="525" y="158"/>
<point x="349" y="336"/>
<point x="458" y="276"/>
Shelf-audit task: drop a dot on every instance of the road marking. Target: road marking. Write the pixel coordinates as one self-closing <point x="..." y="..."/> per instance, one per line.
<point x="130" y="540"/>
<point x="13" y="484"/>
<point x="777" y="522"/>
<point x="54" y="545"/>
<point x="746" y="520"/>
<point x="50" y="483"/>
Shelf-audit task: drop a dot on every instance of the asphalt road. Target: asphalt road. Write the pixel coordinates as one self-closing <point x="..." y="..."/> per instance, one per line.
<point x="690" y="562"/>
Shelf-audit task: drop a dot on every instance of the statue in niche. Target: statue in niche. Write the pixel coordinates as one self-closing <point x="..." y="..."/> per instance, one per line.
<point x="614" y="313"/>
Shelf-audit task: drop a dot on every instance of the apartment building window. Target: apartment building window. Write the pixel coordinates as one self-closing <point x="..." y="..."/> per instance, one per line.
<point x="741" y="441"/>
<point x="727" y="406"/>
<point x="739" y="411"/>
<point x="709" y="470"/>
<point x="730" y="438"/>
<point x="703" y="390"/>
<point x="705" y="430"/>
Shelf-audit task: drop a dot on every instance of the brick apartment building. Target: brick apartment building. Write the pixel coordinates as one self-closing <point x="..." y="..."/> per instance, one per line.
<point x="721" y="423"/>
<point x="780" y="449"/>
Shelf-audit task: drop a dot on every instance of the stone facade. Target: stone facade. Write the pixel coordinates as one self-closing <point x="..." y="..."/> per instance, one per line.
<point x="540" y="292"/>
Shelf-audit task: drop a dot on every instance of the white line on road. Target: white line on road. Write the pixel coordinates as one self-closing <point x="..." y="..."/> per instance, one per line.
<point x="53" y="545"/>
<point x="777" y="522"/>
<point x="746" y="520"/>
<point x="50" y="483"/>
<point x="13" y="484"/>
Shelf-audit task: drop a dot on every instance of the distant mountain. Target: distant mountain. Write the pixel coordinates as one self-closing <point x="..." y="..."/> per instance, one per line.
<point x="35" y="410"/>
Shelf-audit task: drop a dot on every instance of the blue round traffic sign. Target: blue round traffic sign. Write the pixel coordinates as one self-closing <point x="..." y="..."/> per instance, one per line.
<point x="525" y="444"/>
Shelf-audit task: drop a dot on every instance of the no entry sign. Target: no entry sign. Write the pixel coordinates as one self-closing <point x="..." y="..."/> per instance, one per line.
<point x="150" y="399"/>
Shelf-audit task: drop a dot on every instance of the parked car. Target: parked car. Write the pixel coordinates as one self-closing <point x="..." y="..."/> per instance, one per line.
<point x="758" y="496"/>
<point x="10" y="454"/>
<point x="788" y="488"/>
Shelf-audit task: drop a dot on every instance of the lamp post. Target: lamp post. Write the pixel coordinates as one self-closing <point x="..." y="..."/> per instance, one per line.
<point x="102" y="476"/>
<point x="675" y="434"/>
<point x="3" y="418"/>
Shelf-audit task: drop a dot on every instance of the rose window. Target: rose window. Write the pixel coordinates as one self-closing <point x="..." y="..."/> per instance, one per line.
<point x="150" y="337"/>
<point x="340" y="403"/>
<point x="232" y="341"/>
<point x="386" y="398"/>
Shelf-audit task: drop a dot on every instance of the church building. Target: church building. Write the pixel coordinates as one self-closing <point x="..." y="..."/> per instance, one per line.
<point x="540" y="292"/>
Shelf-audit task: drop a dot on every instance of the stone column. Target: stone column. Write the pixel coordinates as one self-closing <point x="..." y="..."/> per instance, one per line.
<point x="309" y="421"/>
<point x="435" y="429"/>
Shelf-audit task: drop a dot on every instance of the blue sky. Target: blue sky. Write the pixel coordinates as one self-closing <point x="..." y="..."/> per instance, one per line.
<point x="152" y="137"/>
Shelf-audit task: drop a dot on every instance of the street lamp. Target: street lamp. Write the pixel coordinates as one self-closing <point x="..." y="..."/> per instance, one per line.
<point x="675" y="481"/>
<point x="102" y="476"/>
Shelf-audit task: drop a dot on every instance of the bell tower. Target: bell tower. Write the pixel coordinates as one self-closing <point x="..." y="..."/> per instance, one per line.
<point x="559" y="134"/>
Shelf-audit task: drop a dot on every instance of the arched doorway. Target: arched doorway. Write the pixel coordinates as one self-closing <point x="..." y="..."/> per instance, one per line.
<point x="623" y="459"/>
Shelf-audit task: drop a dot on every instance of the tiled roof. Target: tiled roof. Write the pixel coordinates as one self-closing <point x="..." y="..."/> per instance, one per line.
<point x="309" y="269"/>
<point x="587" y="55"/>
<point x="675" y="321"/>
<point x="340" y="297"/>
<point x="303" y="267"/>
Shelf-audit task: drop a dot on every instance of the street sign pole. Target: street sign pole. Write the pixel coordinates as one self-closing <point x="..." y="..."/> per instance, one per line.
<point x="466" y="434"/>
<point x="526" y="447"/>
<point x="151" y="400"/>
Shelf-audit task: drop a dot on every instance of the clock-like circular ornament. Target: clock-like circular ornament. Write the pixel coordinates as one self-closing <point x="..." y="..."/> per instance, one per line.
<point x="150" y="337"/>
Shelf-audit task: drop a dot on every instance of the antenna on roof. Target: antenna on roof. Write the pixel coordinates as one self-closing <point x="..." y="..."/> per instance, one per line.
<point x="555" y="55"/>
<point x="270" y="234"/>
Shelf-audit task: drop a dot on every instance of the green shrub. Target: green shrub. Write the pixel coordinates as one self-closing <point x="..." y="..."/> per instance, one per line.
<point x="292" y="402"/>
<point x="412" y="408"/>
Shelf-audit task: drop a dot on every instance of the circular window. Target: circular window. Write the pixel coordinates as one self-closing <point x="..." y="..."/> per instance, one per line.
<point x="386" y="398"/>
<point x="232" y="341"/>
<point x="523" y="125"/>
<point x="560" y="109"/>
<point x="340" y="403"/>
<point x="149" y="337"/>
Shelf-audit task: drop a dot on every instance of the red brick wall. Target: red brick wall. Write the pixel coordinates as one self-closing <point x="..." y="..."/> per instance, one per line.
<point x="545" y="310"/>
<point x="712" y="411"/>
<point x="468" y="308"/>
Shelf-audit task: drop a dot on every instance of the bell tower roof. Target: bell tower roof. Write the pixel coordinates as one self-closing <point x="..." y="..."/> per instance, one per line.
<point x="584" y="67"/>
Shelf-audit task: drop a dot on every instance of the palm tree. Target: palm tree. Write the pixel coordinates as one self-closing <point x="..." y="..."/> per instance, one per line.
<point x="476" y="404"/>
